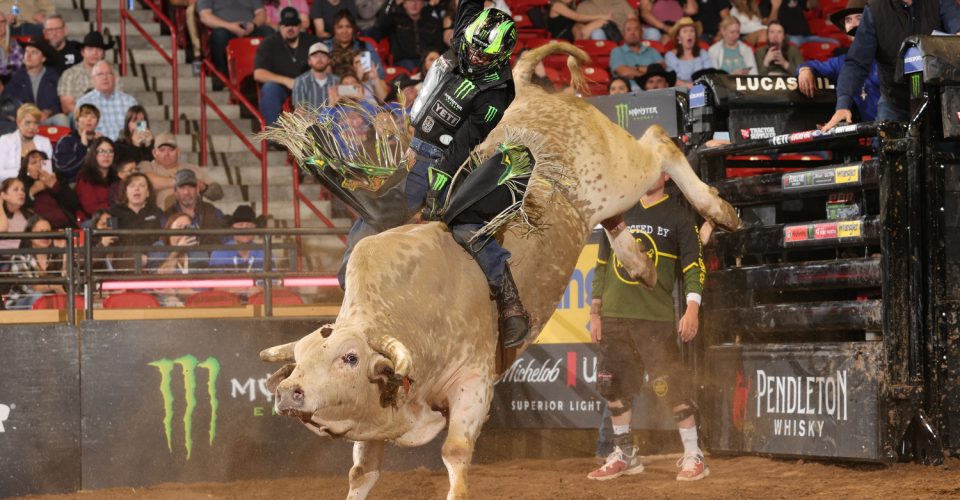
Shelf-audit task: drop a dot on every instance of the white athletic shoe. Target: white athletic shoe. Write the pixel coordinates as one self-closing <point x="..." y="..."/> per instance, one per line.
<point x="692" y="467"/>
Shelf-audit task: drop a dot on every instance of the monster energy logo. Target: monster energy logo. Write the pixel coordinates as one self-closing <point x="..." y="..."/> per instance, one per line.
<point x="489" y="77"/>
<point x="491" y="114"/>
<point x="463" y="89"/>
<point x="623" y="115"/>
<point x="188" y="365"/>
<point x="915" y="84"/>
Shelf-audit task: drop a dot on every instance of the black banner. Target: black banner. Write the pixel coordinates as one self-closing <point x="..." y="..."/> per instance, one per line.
<point x="636" y="112"/>
<point x="39" y="410"/>
<point x="816" y="400"/>
<point x="185" y="401"/>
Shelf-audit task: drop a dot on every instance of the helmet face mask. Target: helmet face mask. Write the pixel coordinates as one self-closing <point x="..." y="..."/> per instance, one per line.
<point x="487" y="42"/>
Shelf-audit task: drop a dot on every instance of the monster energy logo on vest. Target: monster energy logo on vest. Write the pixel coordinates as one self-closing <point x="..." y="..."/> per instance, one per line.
<point x="188" y="365"/>
<point x="491" y="114"/>
<point x="464" y="89"/>
<point x="623" y="115"/>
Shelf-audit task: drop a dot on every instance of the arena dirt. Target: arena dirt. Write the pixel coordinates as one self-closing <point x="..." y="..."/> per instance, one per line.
<point x="741" y="477"/>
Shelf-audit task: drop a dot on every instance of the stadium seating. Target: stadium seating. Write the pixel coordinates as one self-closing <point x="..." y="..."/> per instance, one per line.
<point x="57" y="301"/>
<point x="598" y="50"/>
<point x="130" y="300"/>
<point x="281" y="297"/>
<point x="240" y="55"/>
<point x="520" y="7"/>
<point x="659" y="47"/>
<point x="598" y="79"/>
<point x="394" y="71"/>
<point x="54" y="133"/>
<point x="212" y="298"/>
<point x="819" y="51"/>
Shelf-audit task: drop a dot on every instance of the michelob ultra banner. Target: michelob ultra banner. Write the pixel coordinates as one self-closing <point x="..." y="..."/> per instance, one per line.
<point x="636" y="112"/>
<point x="570" y="323"/>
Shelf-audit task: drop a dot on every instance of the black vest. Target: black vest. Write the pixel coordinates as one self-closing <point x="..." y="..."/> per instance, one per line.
<point x="451" y="103"/>
<point x="894" y="24"/>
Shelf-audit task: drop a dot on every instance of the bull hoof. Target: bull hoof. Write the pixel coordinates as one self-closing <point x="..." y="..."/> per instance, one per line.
<point x="728" y="219"/>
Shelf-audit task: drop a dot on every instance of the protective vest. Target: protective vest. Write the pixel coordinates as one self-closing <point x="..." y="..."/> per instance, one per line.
<point x="445" y="99"/>
<point x="893" y="24"/>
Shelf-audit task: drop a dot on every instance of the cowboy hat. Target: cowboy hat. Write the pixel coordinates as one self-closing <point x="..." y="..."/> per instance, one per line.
<point x="657" y="69"/>
<point x="853" y="7"/>
<point x="684" y="21"/>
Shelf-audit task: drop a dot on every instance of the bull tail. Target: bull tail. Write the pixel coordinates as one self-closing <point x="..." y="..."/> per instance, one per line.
<point x="523" y="70"/>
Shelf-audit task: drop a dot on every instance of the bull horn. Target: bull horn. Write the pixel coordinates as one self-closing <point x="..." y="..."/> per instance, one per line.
<point x="278" y="353"/>
<point x="396" y="352"/>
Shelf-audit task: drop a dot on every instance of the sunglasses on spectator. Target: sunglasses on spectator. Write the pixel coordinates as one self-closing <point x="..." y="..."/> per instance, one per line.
<point x="104" y="151"/>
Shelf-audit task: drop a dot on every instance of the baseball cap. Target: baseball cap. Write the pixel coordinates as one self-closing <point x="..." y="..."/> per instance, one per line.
<point x="289" y="17"/>
<point x="166" y="139"/>
<point x="185" y="177"/>
<point x="318" y="47"/>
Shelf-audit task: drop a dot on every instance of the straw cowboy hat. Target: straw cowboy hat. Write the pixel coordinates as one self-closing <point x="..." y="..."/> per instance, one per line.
<point x="684" y="21"/>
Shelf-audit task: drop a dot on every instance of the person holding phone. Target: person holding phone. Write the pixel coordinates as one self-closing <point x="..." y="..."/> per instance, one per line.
<point x="778" y="58"/>
<point x="136" y="140"/>
<point x="375" y="89"/>
<point x="46" y="195"/>
<point x="188" y="201"/>
<point x="70" y="150"/>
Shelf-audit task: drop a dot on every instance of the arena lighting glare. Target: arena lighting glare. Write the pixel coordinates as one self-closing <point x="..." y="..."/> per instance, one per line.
<point x="321" y="281"/>
<point x="329" y="281"/>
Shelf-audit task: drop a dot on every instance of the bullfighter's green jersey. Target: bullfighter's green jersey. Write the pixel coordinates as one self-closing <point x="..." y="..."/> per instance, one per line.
<point x="668" y="231"/>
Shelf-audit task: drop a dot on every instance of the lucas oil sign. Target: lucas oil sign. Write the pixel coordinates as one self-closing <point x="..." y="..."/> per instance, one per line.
<point x="805" y="399"/>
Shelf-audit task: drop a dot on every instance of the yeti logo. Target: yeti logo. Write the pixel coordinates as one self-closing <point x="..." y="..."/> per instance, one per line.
<point x="5" y="414"/>
<point x="188" y="365"/>
<point x="445" y="114"/>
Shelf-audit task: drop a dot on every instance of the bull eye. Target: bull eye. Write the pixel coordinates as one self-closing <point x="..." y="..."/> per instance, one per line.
<point x="350" y="359"/>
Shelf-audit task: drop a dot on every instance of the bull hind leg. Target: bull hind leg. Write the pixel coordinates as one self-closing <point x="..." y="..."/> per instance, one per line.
<point x="367" y="459"/>
<point x="468" y="410"/>
<point x="704" y="198"/>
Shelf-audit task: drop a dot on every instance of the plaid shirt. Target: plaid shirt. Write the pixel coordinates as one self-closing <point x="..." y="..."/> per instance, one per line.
<point x="11" y="61"/>
<point x="77" y="80"/>
<point x="113" y="109"/>
<point x="306" y="89"/>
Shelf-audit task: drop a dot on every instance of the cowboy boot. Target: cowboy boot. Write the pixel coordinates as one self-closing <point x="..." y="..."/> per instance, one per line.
<point x="514" y="322"/>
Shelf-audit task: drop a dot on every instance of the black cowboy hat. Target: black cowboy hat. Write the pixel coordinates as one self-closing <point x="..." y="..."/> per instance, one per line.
<point x="38" y="42"/>
<point x="95" y="39"/>
<point x="853" y="7"/>
<point x="244" y="213"/>
<point x="657" y="70"/>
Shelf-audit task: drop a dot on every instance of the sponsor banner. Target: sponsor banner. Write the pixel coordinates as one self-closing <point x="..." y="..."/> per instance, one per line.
<point x="571" y="321"/>
<point x="636" y="112"/>
<point x="810" y="179"/>
<point x="912" y="61"/>
<point x="39" y="410"/>
<point x="186" y="401"/>
<point x="698" y="96"/>
<point x="822" y="231"/>
<point x="816" y="400"/>
<point x="554" y="386"/>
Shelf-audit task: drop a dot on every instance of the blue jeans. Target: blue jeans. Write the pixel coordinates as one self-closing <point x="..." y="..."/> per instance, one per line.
<point x="272" y="96"/>
<point x="488" y="253"/>
<point x="886" y="110"/>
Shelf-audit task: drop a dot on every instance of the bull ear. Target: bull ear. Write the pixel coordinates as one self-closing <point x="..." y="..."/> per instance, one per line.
<point x="278" y="353"/>
<point x="381" y="370"/>
<point x="279" y="376"/>
<point x="395" y="352"/>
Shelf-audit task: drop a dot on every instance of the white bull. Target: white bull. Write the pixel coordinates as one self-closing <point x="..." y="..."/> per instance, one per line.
<point x="413" y="349"/>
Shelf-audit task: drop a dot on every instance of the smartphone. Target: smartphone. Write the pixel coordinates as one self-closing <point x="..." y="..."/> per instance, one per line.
<point x="347" y="91"/>
<point x="142" y="126"/>
<point x="47" y="165"/>
<point x="112" y="223"/>
<point x="365" y="61"/>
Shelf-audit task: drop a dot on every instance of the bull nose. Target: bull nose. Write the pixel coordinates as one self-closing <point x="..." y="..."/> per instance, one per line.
<point x="290" y="397"/>
<point x="298" y="395"/>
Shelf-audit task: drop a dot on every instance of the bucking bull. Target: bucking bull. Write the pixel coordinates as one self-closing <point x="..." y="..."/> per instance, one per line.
<point x="414" y="347"/>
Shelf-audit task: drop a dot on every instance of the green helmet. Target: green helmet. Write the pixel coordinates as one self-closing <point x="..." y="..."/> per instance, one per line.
<point x="487" y="43"/>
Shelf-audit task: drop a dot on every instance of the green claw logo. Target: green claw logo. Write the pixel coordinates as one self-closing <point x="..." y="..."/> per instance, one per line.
<point x="188" y="365"/>
<point x="915" y="84"/>
<point x="491" y="114"/>
<point x="623" y="115"/>
<point x="463" y="89"/>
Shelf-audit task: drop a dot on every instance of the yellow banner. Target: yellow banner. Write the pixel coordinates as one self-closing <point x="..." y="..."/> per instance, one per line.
<point x="570" y="322"/>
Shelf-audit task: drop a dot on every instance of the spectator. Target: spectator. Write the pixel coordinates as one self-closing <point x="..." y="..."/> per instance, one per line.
<point x="367" y="12"/>
<point x="193" y="32"/>
<point x="280" y="58"/>
<point x="751" y="25"/>
<point x="866" y="101"/>
<point x="687" y="57"/>
<point x="136" y="209"/>
<point x="272" y="8"/>
<point x="317" y="86"/>
<point x="631" y="59"/>
<point x="103" y="220"/>
<point x="48" y="196"/>
<point x="345" y="45"/>
<point x="897" y="21"/>
<point x="230" y="19"/>
<point x="709" y="14"/>
<point x="618" y="85"/>
<point x="162" y="172"/>
<point x="779" y="57"/>
<point x="68" y="51"/>
<point x="657" y="77"/>
<point x="325" y="14"/>
<point x="245" y="260"/>
<point x="71" y="149"/>
<point x="660" y="15"/>
<point x="412" y="31"/>
<point x="358" y="92"/>
<point x="11" y="53"/>
<point x="17" y="144"/>
<point x="136" y="140"/>
<point x="403" y="90"/>
<point x="730" y="54"/>
<point x="15" y="212"/>
<point x="97" y="176"/>
<point x="373" y="85"/>
<point x="112" y="103"/>
<point x="32" y="14"/>
<point x="427" y="62"/>
<point x="36" y="83"/>
<point x="790" y="15"/>
<point x="124" y="168"/>
<point x="181" y="261"/>
<point x="35" y="265"/>
<point x="619" y="10"/>
<point x="188" y="201"/>
<point x="77" y="80"/>
<point x="567" y="24"/>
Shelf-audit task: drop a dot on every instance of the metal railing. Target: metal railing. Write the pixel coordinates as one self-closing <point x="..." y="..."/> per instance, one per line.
<point x="298" y="197"/>
<point x="69" y="278"/>
<point x="205" y="101"/>
<point x="172" y="57"/>
<point x="99" y="17"/>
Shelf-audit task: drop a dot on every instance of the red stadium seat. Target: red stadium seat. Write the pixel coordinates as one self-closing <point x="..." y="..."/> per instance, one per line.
<point x="57" y="301"/>
<point x="240" y="55"/>
<point x="522" y="6"/>
<point x="131" y="300"/>
<point x="212" y="298"/>
<point x="395" y="71"/>
<point x="595" y="48"/>
<point x="383" y="50"/>
<point x="819" y="51"/>
<point x="659" y="47"/>
<point x="597" y="79"/>
<point x="823" y="27"/>
<point x="828" y="7"/>
<point x="522" y="21"/>
<point x="531" y="33"/>
<point x="281" y="297"/>
<point x="54" y="133"/>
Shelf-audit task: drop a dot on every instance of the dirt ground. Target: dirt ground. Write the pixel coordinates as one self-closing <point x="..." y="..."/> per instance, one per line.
<point x="740" y="477"/>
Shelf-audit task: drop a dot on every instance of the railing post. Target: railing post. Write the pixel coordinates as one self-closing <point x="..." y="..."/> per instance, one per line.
<point x="268" y="282"/>
<point x="175" y="63"/>
<point x="263" y="172"/>
<point x="123" y="37"/>
<point x="88" y="272"/>
<point x="203" y="114"/>
<point x="296" y="212"/>
<point x="71" y="278"/>
<point x="99" y="17"/>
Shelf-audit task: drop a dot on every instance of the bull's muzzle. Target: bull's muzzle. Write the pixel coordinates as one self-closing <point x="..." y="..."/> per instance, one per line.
<point x="290" y="399"/>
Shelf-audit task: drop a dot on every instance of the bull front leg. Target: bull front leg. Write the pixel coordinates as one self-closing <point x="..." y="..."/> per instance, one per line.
<point x="367" y="459"/>
<point x="468" y="409"/>
<point x="630" y="252"/>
